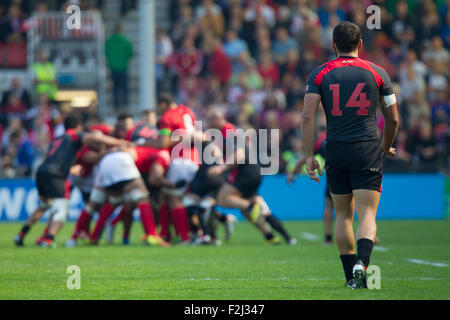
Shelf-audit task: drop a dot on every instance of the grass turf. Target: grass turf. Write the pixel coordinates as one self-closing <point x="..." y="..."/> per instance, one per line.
<point x="245" y="268"/>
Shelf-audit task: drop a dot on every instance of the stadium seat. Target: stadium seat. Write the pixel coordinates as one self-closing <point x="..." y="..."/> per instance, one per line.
<point x="16" y="55"/>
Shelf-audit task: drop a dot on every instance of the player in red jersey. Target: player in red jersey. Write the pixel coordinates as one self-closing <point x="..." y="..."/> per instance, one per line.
<point x="177" y="133"/>
<point x="152" y="165"/>
<point x="351" y="90"/>
<point x="51" y="177"/>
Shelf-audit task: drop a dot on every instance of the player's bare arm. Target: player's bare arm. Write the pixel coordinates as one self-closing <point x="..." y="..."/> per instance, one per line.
<point x="92" y="138"/>
<point x="310" y="107"/>
<point x="298" y="167"/>
<point x="157" y="178"/>
<point x="390" y="114"/>
<point x="163" y="141"/>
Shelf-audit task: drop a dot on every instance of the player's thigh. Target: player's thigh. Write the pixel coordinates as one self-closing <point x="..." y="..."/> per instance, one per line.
<point x="225" y="191"/>
<point x="135" y="191"/>
<point x="366" y="203"/>
<point x="344" y="205"/>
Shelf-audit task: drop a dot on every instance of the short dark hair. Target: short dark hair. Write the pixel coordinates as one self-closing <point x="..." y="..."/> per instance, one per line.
<point x="346" y="36"/>
<point x="72" y="120"/>
<point x="147" y="112"/>
<point x="124" y="116"/>
<point x="165" y="98"/>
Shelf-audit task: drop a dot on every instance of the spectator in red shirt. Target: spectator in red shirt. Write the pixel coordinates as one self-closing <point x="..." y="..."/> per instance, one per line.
<point x="268" y="69"/>
<point x="219" y="64"/>
<point x="187" y="60"/>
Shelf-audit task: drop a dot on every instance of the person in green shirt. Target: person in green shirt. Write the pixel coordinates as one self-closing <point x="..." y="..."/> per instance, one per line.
<point x="118" y="52"/>
<point x="44" y="73"/>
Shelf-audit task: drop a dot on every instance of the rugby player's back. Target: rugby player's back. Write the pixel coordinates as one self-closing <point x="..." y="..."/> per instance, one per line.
<point x="350" y="90"/>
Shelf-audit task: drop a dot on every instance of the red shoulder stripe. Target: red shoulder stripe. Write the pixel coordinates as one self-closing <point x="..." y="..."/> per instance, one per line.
<point x="346" y="62"/>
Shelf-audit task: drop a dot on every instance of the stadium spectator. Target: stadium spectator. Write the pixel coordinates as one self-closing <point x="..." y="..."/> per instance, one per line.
<point x="118" y="51"/>
<point x="18" y="90"/>
<point x="44" y="73"/>
<point x="163" y="51"/>
<point x="219" y="64"/>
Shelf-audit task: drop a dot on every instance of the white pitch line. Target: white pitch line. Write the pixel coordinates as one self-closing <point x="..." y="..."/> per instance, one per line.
<point x="434" y="264"/>
<point x="309" y="236"/>
<point x="380" y="249"/>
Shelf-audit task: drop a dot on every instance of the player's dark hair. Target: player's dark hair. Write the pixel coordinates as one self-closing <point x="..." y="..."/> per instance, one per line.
<point x="346" y="36"/>
<point x="147" y="112"/>
<point x="165" y="98"/>
<point x="123" y="116"/>
<point x="72" y="120"/>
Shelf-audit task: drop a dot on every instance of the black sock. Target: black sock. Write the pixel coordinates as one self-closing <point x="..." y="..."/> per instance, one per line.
<point x="328" y="237"/>
<point x="49" y="237"/>
<point x="348" y="261"/>
<point x="276" y="224"/>
<point x="221" y="217"/>
<point x="365" y="247"/>
<point x="269" y="236"/>
<point x="24" y="230"/>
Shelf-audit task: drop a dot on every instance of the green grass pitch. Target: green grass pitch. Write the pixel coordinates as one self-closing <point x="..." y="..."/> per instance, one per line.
<point x="245" y="268"/>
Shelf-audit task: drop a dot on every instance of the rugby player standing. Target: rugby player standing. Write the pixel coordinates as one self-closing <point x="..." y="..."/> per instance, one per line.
<point x="350" y="90"/>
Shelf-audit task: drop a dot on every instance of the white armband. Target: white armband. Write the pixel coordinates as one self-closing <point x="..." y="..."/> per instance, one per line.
<point x="389" y="100"/>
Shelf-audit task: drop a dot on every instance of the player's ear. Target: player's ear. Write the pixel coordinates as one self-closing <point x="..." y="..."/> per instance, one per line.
<point x="360" y="44"/>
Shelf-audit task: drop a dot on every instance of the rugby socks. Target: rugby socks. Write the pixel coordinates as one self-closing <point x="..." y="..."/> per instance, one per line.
<point x="276" y="224"/>
<point x="365" y="247"/>
<point x="269" y="236"/>
<point x="120" y="217"/>
<point x="164" y="221"/>
<point x="328" y="238"/>
<point x="348" y="261"/>
<point x="180" y="221"/>
<point x="147" y="218"/>
<point x="220" y="216"/>
<point x="104" y="215"/>
<point x="23" y="232"/>
<point x="82" y="223"/>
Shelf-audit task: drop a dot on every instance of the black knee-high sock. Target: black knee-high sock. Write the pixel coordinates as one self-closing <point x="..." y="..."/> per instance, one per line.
<point x="24" y="230"/>
<point x="348" y="261"/>
<point x="220" y="216"/>
<point x="276" y="224"/>
<point x="365" y="247"/>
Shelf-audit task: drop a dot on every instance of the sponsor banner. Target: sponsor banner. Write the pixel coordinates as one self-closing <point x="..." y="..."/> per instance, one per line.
<point x="404" y="196"/>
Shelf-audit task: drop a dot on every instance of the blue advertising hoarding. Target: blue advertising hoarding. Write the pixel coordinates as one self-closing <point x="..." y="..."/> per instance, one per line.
<point x="404" y="196"/>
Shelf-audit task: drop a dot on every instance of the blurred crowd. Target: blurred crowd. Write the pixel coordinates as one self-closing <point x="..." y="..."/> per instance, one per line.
<point x="251" y="59"/>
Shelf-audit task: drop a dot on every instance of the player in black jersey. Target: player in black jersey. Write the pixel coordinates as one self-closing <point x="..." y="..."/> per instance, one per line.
<point x="351" y="90"/>
<point x="241" y="188"/>
<point x="51" y="176"/>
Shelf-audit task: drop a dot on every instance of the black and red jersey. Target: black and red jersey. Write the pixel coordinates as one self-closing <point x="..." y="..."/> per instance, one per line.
<point x="350" y="89"/>
<point x="141" y="132"/>
<point x="86" y="167"/>
<point x="61" y="154"/>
